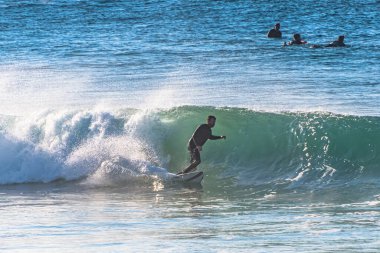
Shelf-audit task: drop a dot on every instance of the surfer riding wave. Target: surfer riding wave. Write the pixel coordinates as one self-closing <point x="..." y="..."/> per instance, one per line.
<point x="197" y="140"/>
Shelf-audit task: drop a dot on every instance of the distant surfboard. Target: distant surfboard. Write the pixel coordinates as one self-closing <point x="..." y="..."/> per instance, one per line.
<point x="191" y="177"/>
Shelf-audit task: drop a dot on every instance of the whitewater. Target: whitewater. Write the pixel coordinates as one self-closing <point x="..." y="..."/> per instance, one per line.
<point x="98" y="100"/>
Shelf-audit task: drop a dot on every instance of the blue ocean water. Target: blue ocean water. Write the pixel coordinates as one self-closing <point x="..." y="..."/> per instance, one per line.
<point x="60" y="53"/>
<point x="98" y="100"/>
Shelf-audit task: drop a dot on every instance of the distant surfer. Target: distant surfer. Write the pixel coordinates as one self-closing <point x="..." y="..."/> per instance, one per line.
<point x="337" y="43"/>
<point x="296" y="40"/>
<point x="275" y="32"/>
<point x="197" y="140"/>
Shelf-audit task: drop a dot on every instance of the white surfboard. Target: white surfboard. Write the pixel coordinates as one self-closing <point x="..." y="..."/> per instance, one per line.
<point x="191" y="177"/>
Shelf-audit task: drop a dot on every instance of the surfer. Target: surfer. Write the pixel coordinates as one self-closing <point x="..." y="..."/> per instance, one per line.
<point x="275" y="32"/>
<point x="337" y="43"/>
<point x="296" y="40"/>
<point x="197" y="140"/>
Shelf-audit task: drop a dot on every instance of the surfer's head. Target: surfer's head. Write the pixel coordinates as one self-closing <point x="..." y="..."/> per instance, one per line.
<point x="296" y="37"/>
<point x="277" y="26"/>
<point x="211" y="121"/>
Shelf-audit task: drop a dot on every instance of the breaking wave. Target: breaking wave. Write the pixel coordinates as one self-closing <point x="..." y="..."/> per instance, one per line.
<point x="296" y="149"/>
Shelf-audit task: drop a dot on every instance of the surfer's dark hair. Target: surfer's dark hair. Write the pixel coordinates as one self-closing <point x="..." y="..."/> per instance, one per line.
<point x="211" y="117"/>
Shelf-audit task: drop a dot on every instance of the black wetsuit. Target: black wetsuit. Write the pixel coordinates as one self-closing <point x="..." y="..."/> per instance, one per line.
<point x="199" y="138"/>
<point x="296" y="42"/>
<point x="336" y="44"/>
<point x="274" y="34"/>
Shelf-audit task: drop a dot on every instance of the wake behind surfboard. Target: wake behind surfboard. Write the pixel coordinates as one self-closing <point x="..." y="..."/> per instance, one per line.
<point x="194" y="177"/>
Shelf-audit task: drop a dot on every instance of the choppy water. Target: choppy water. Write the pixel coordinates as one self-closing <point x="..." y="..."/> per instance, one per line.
<point x="183" y="220"/>
<point x="71" y="53"/>
<point x="98" y="100"/>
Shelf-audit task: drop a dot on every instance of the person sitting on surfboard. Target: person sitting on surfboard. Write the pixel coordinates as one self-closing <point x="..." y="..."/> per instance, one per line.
<point x="197" y="140"/>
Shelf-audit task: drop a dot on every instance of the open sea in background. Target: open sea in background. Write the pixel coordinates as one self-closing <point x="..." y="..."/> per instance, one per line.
<point x="98" y="99"/>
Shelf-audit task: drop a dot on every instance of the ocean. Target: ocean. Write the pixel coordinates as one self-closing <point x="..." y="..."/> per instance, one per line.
<point x="99" y="98"/>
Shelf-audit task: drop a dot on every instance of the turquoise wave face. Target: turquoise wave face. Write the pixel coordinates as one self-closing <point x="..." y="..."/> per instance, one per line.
<point x="295" y="149"/>
<point x="266" y="147"/>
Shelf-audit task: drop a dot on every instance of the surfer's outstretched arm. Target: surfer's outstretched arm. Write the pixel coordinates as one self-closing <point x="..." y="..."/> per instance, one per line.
<point x="215" y="137"/>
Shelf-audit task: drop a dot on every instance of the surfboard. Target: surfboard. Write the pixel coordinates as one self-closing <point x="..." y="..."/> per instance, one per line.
<point x="191" y="177"/>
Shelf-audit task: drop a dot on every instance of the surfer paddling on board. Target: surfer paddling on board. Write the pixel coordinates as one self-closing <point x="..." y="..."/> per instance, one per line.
<point x="197" y="140"/>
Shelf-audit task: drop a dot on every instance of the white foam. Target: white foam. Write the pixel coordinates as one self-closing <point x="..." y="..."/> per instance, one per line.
<point x="76" y="144"/>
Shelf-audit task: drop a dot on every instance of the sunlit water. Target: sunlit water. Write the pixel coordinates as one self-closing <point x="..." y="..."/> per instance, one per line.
<point x="71" y="218"/>
<point x="80" y="84"/>
<point x="57" y="54"/>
